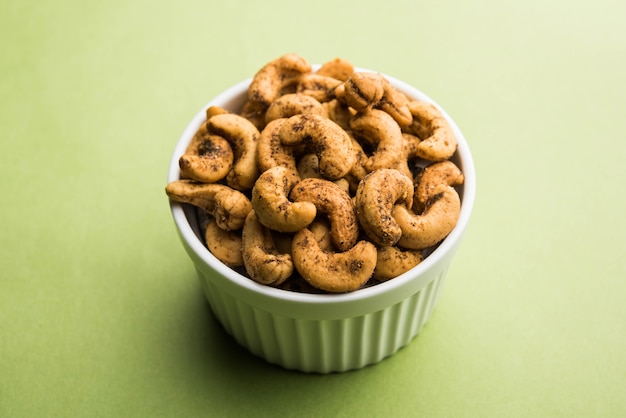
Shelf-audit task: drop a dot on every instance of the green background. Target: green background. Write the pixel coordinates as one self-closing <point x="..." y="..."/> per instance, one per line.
<point x="101" y="313"/>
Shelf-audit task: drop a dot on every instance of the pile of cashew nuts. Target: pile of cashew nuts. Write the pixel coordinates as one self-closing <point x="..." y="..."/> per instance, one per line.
<point x="324" y="181"/>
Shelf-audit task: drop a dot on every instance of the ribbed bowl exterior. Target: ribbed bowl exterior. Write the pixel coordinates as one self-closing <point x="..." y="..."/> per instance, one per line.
<point x="324" y="346"/>
<point x="312" y="332"/>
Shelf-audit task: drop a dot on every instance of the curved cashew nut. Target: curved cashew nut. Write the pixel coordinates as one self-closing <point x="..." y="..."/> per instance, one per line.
<point x="229" y="207"/>
<point x="208" y="158"/>
<point x="380" y="129"/>
<point x="444" y="172"/>
<point x="272" y="205"/>
<point x="365" y="91"/>
<point x="393" y="261"/>
<point x="214" y="110"/>
<point x="271" y="152"/>
<point x="270" y="81"/>
<point x="332" y="144"/>
<point x="244" y="136"/>
<point x="335" y="203"/>
<point x="338" y="68"/>
<point x="438" y="140"/>
<point x="320" y="87"/>
<point x="332" y="272"/>
<point x="308" y="167"/>
<point x="291" y="104"/>
<point x="375" y="199"/>
<point x="339" y="112"/>
<point x="263" y="263"/>
<point x="255" y="113"/>
<point x="433" y="224"/>
<point x="224" y="245"/>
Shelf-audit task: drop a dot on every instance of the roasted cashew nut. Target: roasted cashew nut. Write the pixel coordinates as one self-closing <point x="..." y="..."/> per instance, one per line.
<point x="438" y="140"/>
<point x="208" y="158"/>
<point x="393" y="261"/>
<point x="377" y="195"/>
<point x="272" y="205"/>
<point x="308" y="167"/>
<point x="271" y="152"/>
<point x="433" y="224"/>
<point x="339" y="112"/>
<point x="291" y="104"/>
<point x="263" y="263"/>
<point x="444" y="172"/>
<point x="366" y="91"/>
<point x="380" y="129"/>
<point x="332" y="144"/>
<point x="255" y="113"/>
<point x="330" y="271"/>
<point x="318" y="86"/>
<point x="331" y="200"/>
<point x="224" y="245"/>
<point x="243" y="135"/>
<point x="274" y="77"/>
<point x="338" y="68"/>
<point x="229" y="207"/>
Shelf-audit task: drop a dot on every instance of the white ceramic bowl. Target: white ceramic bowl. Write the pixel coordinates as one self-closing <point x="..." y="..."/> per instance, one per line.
<point x="321" y="332"/>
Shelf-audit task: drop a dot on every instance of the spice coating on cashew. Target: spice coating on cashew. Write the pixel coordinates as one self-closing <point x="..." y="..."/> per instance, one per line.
<point x="378" y="193"/>
<point x="292" y="104"/>
<point x="335" y="203"/>
<point x="367" y="91"/>
<point x="208" y="158"/>
<point x="332" y="144"/>
<point x="433" y="224"/>
<point x="393" y="261"/>
<point x="429" y="124"/>
<point x="338" y="68"/>
<point x="229" y="207"/>
<point x="224" y="245"/>
<point x="318" y="86"/>
<point x="329" y="271"/>
<point x="444" y="172"/>
<point x="261" y="259"/>
<point x="381" y="130"/>
<point x="272" y="205"/>
<point x="271" y="152"/>
<point x="268" y="83"/>
<point x="243" y="135"/>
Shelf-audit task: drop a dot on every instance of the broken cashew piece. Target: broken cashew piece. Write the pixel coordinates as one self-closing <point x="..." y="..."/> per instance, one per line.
<point x="329" y="141"/>
<point x="272" y="205"/>
<point x="261" y="259"/>
<point x="292" y="104"/>
<point x="208" y="158"/>
<point x="377" y="195"/>
<point x="229" y="207"/>
<point x="243" y="135"/>
<point x="438" y="140"/>
<point x="393" y="261"/>
<point x="330" y="271"/>
<point x="433" y="224"/>
<point x="274" y="77"/>
<point x="334" y="202"/>
<point x="224" y="245"/>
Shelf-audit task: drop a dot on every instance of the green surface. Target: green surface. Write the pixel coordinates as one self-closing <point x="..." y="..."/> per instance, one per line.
<point x="101" y="313"/>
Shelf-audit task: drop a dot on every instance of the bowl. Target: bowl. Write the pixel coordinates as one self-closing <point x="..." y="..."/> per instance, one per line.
<point x="321" y="333"/>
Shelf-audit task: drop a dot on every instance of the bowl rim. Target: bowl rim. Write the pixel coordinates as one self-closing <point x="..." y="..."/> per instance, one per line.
<point x="395" y="286"/>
